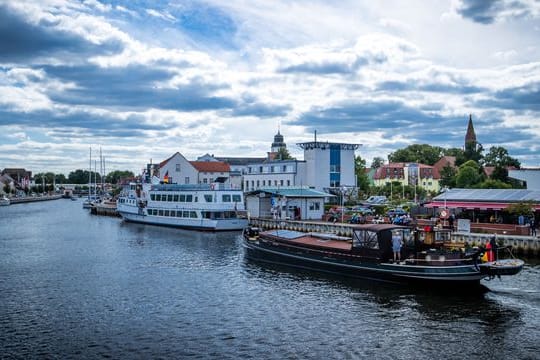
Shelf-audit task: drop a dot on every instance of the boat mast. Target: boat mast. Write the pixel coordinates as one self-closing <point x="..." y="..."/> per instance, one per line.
<point x="90" y="176"/>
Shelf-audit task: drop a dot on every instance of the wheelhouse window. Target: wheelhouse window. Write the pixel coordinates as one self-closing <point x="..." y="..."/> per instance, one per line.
<point x="365" y="239"/>
<point x="208" y="197"/>
<point x="236" y="198"/>
<point x="226" y="198"/>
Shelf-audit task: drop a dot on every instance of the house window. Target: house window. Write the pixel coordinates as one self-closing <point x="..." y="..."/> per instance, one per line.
<point x="260" y="169"/>
<point x="177" y="167"/>
<point x="288" y="182"/>
<point x="186" y="181"/>
<point x="284" y="168"/>
<point x="281" y="182"/>
<point x="258" y="184"/>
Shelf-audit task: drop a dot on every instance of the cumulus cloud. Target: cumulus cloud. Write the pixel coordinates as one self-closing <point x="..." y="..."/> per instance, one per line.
<point x="487" y="12"/>
<point x="146" y="81"/>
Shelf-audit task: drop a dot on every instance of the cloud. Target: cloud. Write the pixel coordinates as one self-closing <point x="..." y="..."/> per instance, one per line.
<point x="136" y="87"/>
<point x="488" y="12"/>
<point x="22" y="40"/>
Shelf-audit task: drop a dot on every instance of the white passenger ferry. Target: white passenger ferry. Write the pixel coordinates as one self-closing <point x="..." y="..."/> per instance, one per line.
<point x="204" y="206"/>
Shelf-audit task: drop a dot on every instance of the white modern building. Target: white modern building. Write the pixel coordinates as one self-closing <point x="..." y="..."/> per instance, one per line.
<point x="326" y="166"/>
<point x="531" y="177"/>
<point x="329" y="165"/>
<point x="282" y="173"/>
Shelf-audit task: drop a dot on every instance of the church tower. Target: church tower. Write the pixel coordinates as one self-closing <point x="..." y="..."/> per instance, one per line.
<point x="278" y="143"/>
<point x="470" y="137"/>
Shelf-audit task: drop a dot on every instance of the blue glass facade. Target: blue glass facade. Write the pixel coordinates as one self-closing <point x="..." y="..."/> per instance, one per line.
<point x="335" y="165"/>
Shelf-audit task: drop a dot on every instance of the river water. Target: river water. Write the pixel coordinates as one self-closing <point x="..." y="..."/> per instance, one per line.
<point x="74" y="285"/>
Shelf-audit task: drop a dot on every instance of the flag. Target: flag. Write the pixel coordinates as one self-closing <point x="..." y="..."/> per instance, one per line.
<point x="166" y="177"/>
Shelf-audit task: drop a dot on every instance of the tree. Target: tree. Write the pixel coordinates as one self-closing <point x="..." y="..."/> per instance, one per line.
<point x="424" y="154"/>
<point x="448" y="176"/>
<point x="494" y="184"/>
<point x="81" y="176"/>
<point x="469" y="175"/>
<point x="362" y="180"/>
<point x="473" y="151"/>
<point x="377" y="162"/>
<point x="283" y="154"/>
<point x="114" y="176"/>
<point x="498" y="156"/>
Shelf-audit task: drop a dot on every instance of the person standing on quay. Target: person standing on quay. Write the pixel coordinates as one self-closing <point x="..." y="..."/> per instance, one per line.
<point x="532" y="225"/>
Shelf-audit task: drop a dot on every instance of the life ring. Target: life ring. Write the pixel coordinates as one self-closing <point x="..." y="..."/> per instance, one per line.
<point x="444" y="214"/>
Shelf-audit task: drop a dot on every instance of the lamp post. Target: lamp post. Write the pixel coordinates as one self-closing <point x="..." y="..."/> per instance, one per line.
<point x="342" y="203"/>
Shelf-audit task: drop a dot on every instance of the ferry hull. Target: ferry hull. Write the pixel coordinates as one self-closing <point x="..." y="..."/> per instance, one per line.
<point x="204" y="224"/>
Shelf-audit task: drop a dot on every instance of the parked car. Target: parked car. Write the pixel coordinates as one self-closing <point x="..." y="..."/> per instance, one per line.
<point x="376" y="200"/>
<point x="362" y="209"/>
<point x="395" y="212"/>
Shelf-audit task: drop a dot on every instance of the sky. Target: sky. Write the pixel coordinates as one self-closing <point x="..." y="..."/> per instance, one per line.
<point x="144" y="79"/>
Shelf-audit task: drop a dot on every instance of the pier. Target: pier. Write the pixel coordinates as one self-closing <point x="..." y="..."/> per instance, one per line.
<point x="522" y="245"/>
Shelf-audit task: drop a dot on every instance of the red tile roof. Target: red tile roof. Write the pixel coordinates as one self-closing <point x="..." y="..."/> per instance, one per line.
<point x="211" y="166"/>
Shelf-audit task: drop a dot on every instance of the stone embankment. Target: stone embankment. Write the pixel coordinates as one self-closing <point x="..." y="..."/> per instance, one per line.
<point x="20" y="200"/>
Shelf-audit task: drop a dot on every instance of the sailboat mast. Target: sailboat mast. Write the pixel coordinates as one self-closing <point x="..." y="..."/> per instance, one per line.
<point x="90" y="176"/>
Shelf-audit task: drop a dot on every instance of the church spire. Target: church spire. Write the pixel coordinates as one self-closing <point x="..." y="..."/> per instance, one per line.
<point x="470" y="137"/>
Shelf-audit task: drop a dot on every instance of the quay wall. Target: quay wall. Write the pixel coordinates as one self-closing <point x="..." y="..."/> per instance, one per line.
<point x="28" y="199"/>
<point x="521" y="245"/>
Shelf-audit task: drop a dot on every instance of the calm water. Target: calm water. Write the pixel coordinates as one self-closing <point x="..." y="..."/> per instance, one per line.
<point x="73" y="285"/>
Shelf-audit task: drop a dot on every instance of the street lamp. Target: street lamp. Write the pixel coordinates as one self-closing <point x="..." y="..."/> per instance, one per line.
<point x="342" y="203"/>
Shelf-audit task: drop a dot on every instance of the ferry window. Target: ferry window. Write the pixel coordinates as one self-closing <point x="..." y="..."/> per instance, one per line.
<point x="226" y="198"/>
<point x="189" y="198"/>
<point x="175" y="198"/>
<point x="158" y="197"/>
<point x="166" y="213"/>
<point x="193" y="214"/>
<point x="153" y="197"/>
<point x="236" y="198"/>
<point x="160" y="212"/>
<point x="169" y="197"/>
<point x="185" y="214"/>
<point x="182" y="198"/>
<point x="208" y="197"/>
